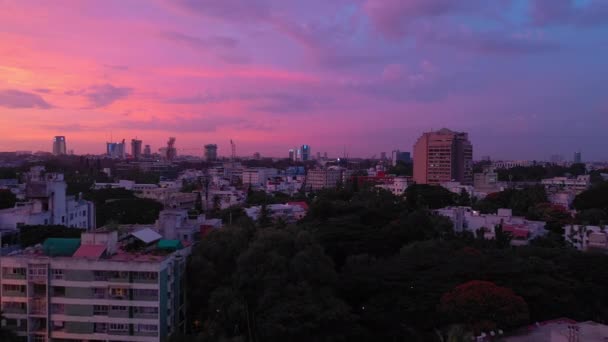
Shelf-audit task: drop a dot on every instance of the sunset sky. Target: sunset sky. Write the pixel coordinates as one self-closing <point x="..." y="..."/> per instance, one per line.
<point x="526" y="78"/>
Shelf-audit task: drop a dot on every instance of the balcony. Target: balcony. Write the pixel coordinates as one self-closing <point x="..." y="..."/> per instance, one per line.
<point x="13" y="276"/>
<point x="145" y="297"/>
<point x="146" y="333"/>
<point x="14" y="310"/>
<point x="145" y="315"/>
<point x="13" y="293"/>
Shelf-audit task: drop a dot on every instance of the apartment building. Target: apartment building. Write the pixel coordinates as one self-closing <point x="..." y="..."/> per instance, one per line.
<point x="95" y="289"/>
<point x="576" y="185"/>
<point x="257" y="177"/>
<point x="443" y="156"/>
<point x="322" y="179"/>
<point x="587" y="238"/>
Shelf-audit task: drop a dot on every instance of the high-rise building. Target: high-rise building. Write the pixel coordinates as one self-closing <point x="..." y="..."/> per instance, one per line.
<point x="398" y="156"/>
<point x="257" y="156"/>
<point x="211" y="152"/>
<point x="136" y="148"/>
<point x="318" y="155"/>
<point x="147" y="151"/>
<point x="59" y="146"/>
<point x="324" y="155"/>
<point x="116" y="149"/>
<point x="171" y="151"/>
<point x="443" y="156"/>
<point x="578" y="158"/>
<point x="382" y="155"/>
<point x="305" y="152"/>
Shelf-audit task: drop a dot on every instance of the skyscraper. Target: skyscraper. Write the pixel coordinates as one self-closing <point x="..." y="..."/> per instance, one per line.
<point x="292" y="154"/>
<point x="443" y="156"/>
<point x="115" y="149"/>
<point x="171" y="151"/>
<point x="578" y="158"/>
<point x="211" y="152"/>
<point x="59" y="146"/>
<point x="136" y="148"/>
<point x="147" y="151"/>
<point x="305" y="152"/>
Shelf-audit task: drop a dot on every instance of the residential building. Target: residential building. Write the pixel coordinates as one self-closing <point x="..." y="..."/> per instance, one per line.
<point x="292" y="154"/>
<point x="258" y="176"/>
<point x="578" y="158"/>
<point x="96" y="288"/>
<point x="398" y="185"/>
<point x="443" y="156"/>
<point x="211" y="152"/>
<point x="116" y="150"/>
<point x="323" y="178"/>
<point x="223" y="197"/>
<point x="521" y="229"/>
<point x="509" y="164"/>
<point x="289" y="212"/>
<point x="560" y="330"/>
<point x="136" y="148"/>
<point x="487" y="181"/>
<point x="59" y="146"/>
<point x="587" y="238"/>
<point x="147" y="151"/>
<point x="47" y="203"/>
<point x="125" y="184"/>
<point x="577" y="185"/>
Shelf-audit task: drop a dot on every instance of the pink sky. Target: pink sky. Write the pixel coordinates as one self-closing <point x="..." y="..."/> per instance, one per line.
<point x="526" y="78"/>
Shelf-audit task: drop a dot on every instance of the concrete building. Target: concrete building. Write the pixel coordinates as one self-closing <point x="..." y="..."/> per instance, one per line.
<point x="258" y="176"/>
<point x="292" y="154"/>
<point x="305" y="153"/>
<point x="487" y="181"/>
<point x="59" y="146"/>
<point x="322" y="179"/>
<point x="223" y="197"/>
<point x="577" y="185"/>
<point x="509" y="164"/>
<point x="578" y="158"/>
<point x="521" y="229"/>
<point x="587" y="238"/>
<point x="116" y="150"/>
<point x="136" y="149"/>
<point x="125" y="184"/>
<point x="398" y="185"/>
<point x="397" y="156"/>
<point x="443" y="156"/>
<point x="561" y="330"/>
<point x="288" y="212"/>
<point x="96" y="288"/>
<point x="147" y="151"/>
<point x="46" y="203"/>
<point x="211" y="152"/>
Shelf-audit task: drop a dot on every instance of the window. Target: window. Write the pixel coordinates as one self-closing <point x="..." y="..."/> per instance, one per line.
<point x="149" y="328"/>
<point x="118" y="327"/>
<point x="57" y="274"/>
<point x="118" y="292"/>
<point x="100" y="310"/>
<point x="99" y="292"/>
<point x="14" y="288"/>
<point x="118" y="308"/>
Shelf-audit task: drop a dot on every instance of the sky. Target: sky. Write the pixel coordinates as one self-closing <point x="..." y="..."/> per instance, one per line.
<point x="525" y="78"/>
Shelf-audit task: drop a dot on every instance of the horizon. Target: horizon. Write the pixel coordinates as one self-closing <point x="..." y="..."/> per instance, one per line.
<point x="523" y="77"/>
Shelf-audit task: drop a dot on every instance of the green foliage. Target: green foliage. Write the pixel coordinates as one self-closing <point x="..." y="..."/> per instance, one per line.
<point x="401" y="169"/>
<point x="594" y="198"/>
<point x="7" y="199"/>
<point x="128" y="211"/>
<point x="520" y="201"/>
<point x="429" y="196"/>
<point x="538" y="172"/>
<point x="8" y="173"/>
<point x="33" y="235"/>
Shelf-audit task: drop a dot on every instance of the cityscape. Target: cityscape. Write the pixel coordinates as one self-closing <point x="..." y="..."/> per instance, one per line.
<point x="264" y="170"/>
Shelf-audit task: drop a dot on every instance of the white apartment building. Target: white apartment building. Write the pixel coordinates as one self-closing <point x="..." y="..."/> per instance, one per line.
<point x="586" y="238"/>
<point x="257" y="177"/>
<point x="289" y="212"/>
<point x="91" y="289"/>
<point x="224" y="197"/>
<point x="47" y="204"/>
<point x="577" y="185"/>
<point x="521" y="230"/>
<point x="322" y="179"/>
<point x="509" y="164"/>
<point x="397" y="187"/>
<point x="125" y="184"/>
<point x="286" y="184"/>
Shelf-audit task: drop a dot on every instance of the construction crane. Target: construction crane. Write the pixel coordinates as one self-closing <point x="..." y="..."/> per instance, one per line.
<point x="233" y="146"/>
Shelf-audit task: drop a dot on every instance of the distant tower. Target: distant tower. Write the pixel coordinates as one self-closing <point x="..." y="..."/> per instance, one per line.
<point x="136" y="148"/>
<point x="171" y="151"/>
<point x="233" y="148"/>
<point x="147" y="151"/>
<point x="578" y="158"/>
<point x="292" y="154"/>
<point x="59" y="146"/>
<point x="115" y="149"/>
<point x="305" y="152"/>
<point x="257" y="156"/>
<point x="211" y="152"/>
<point x="382" y="155"/>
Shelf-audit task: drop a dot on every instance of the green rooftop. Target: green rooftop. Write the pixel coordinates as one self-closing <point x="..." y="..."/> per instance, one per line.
<point x="60" y="246"/>
<point x="169" y="244"/>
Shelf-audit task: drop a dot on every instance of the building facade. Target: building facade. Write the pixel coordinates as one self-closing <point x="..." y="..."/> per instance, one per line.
<point x="89" y="289"/>
<point x="323" y="179"/>
<point x="305" y="152"/>
<point x="116" y="150"/>
<point x="211" y="152"/>
<point x="443" y="156"/>
<point x="136" y="148"/>
<point x="59" y="146"/>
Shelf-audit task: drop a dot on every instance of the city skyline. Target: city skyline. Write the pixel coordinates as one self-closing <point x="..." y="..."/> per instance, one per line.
<point x="522" y="77"/>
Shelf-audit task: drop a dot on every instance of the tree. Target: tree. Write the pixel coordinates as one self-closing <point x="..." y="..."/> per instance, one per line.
<point x="7" y="199"/>
<point x="482" y="305"/>
<point x="428" y="196"/>
<point x="264" y="219"/>
<point x="464" y="199"/>
<point x="6" y="335"/>
<point x="594" y="198"/>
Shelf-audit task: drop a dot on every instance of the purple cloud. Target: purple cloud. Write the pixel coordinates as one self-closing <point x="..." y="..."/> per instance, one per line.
<point x="12" y="98"/>
<point x="567" y="12"/>
<point x="102" y="95"/>
<point x="199" y="43"/>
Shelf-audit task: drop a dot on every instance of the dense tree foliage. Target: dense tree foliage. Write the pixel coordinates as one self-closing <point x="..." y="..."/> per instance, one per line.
<point x="520" y="201"/>
<point x="121" y="206"/>
<point x="7" y="199"/>
<point x="401" y="169"/>
<point x="594" y="198"/>
<point x="33" y="235"/>
<point x="538" y="172"/>
<point x="429" y="196"/>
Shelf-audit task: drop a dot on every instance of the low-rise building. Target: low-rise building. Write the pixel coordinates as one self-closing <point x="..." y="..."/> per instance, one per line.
<point x="289" y="212"/>
<point x="96" y="288"/>
<point x="258" y="176"/>
<point x="125" y="184"/>
<point x="467" y="219"/>
<point x="576" y="185"/>
<point x="397" y="186"/>
<point x="586" y="238"/>
<point x="323" y="179"/>
<point x="560" y="330"/>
